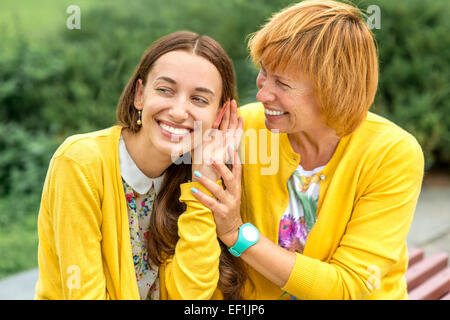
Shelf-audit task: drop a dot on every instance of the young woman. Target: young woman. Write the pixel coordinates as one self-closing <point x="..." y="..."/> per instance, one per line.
<point x="117" y="220"/>
<point x="333" y="220"/>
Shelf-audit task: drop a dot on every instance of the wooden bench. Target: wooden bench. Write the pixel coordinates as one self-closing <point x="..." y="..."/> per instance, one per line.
<point x="428" y="278"/>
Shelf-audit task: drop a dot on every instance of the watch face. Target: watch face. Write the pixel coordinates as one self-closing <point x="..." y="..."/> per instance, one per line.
<point x="250" y="233"/>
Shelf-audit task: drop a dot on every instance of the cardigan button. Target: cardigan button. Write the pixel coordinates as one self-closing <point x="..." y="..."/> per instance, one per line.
<point x="322" y="177"/>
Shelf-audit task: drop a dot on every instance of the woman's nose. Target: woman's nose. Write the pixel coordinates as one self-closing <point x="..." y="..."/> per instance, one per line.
<point x="264" y="94"/>
<point x="179" y="112"/>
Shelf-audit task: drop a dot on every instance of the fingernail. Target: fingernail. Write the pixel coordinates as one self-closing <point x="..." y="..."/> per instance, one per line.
<point x="232" y="147"/>
<point x="197" y="174"/>
<point x="194" y="190"/>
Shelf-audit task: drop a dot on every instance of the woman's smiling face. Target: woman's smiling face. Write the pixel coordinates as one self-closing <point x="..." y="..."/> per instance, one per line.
<point x="289" y="102"/>
<point x="181" y="89"/>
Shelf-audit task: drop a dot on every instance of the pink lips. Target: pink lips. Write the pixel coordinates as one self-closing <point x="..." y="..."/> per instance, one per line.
<point x="270" y="117"/>
<point x="273" y="117"/>
<point x="170" y="124"/>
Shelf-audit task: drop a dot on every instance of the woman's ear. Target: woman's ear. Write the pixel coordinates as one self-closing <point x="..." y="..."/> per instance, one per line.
<point x="139" y="95"/>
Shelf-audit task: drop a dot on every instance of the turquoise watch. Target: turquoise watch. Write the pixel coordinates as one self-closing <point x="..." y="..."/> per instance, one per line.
<point x="248" y="236"/>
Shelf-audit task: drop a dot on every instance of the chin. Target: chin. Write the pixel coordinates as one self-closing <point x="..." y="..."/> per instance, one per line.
<point x="175" y="150"/>
<point x="270" y="126"/>
<point x="169" y="150"/>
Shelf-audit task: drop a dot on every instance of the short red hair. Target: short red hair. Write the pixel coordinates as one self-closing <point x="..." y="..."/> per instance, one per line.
<point x="331" y="44"/>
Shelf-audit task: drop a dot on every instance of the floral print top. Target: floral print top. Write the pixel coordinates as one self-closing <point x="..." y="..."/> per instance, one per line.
<point x="301" y="213"/>
<point x="140" y="192"/>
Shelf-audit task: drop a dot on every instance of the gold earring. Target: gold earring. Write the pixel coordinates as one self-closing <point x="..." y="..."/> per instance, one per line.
<point x="139" y="120"/>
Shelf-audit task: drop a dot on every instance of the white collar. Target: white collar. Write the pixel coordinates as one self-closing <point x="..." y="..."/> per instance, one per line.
<point x="309" y="173"/>
<point x="132" y="175"/>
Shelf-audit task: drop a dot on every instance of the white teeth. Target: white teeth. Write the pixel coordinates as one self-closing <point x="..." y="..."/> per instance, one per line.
<point x="273" y="113"/>
<point x="177" y="131"/>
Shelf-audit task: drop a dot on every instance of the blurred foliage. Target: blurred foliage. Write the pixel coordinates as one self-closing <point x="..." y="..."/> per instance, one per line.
<point x="414" y="89"/>
<point x="70" y="81"/>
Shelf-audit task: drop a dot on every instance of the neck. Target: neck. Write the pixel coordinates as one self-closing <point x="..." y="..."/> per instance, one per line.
<point x="141" y="154"/>
<point x="315" y="148"/>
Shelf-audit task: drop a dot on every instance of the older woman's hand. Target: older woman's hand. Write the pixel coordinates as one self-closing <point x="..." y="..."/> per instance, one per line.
<point x="226" y="204"/>
<point x="225" y="132"/>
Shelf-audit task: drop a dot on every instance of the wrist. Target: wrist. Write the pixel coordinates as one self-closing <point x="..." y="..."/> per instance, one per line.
<point x="230" y="238"/>
<point x="247" y="237"/>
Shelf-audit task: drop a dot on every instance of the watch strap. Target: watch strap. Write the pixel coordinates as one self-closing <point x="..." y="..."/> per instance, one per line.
<point x="242" y="243"/>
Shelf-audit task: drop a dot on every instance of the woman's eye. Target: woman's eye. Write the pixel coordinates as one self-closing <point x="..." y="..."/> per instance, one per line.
<point x="200" y="100"/>
<point x="284" y="85"/>
<point x="164" y="90"/>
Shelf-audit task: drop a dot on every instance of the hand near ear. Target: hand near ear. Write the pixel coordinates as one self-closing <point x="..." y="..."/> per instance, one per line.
<point x="225" y="133"/>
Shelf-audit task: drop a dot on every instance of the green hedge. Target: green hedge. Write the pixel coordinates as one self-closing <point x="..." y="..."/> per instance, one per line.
<point x="414" y="90"/>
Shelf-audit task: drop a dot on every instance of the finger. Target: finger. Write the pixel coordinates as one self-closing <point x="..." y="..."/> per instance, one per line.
<point x="216" y="190"/>
<point x="232" y="125"/>
<point x="227" y="176"/>
<point x="226" y="118"/>
<point x="234" y="140"/>
<point x="220" y="115"/>
<point x="238" y="133"/>
<point x="237" y="167"/>
<point x="208" y="201"/>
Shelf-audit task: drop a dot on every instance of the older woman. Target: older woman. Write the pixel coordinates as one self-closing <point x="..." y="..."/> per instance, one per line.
<point x="332" y="222"/>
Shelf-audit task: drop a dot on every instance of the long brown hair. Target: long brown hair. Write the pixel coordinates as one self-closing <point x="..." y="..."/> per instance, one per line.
<point x="163" y="233"/>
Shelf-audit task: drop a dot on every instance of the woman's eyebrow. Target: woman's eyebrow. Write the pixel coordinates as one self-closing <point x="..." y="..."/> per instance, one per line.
<point x="166" y="79"/>
<point x="205" y="90"/>
<point x="172" y="81"/>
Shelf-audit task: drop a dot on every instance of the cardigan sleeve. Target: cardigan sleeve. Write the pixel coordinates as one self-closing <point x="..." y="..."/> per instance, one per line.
<point x="375" y="234"/>
<point x="193" y="271"/>
<point x="70" y="256"/>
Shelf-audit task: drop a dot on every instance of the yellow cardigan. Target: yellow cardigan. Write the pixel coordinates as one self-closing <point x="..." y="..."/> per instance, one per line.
<point x="84" y="241"/>
<point x="357" y="247"/>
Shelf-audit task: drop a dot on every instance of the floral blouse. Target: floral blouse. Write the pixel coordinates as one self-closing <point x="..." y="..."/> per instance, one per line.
<point x="301" y="213"/>
<point x="140" y="192"/>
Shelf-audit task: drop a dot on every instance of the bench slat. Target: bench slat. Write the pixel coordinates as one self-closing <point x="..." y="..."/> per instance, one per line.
<point x="414" y="255"/>
<point x="434" y="288"/>
<point x="425" y="269"/>
<point x="446" y="297"/>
